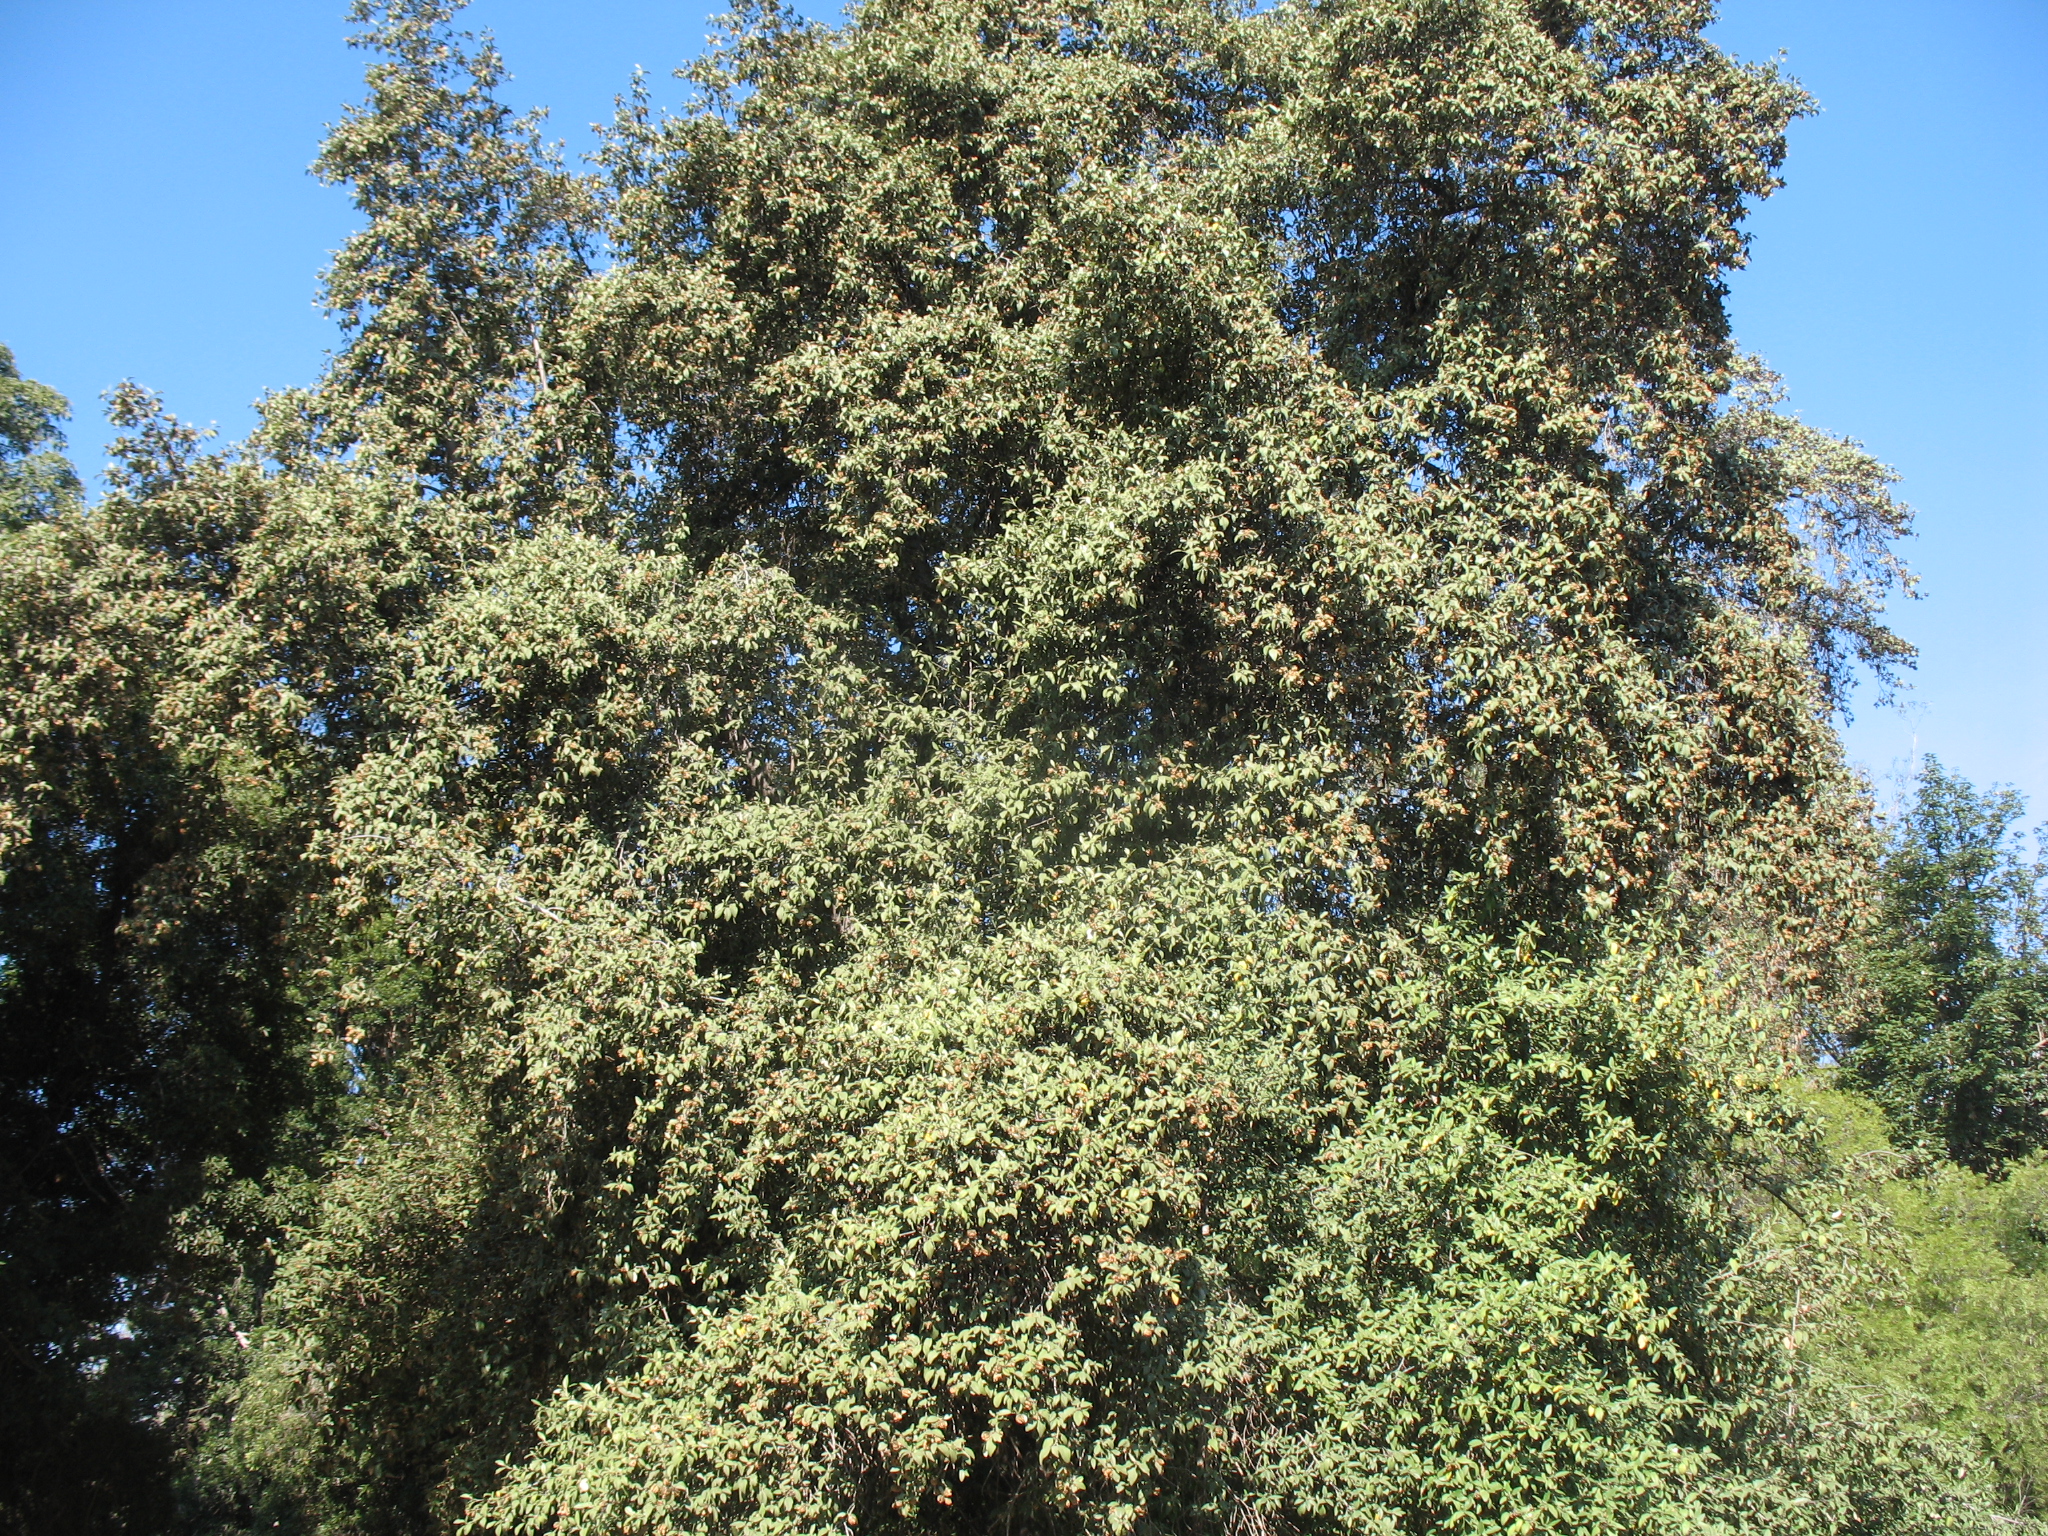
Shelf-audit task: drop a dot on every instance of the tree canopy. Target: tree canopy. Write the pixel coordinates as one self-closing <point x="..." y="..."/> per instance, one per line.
<point x="1065" y="770"/>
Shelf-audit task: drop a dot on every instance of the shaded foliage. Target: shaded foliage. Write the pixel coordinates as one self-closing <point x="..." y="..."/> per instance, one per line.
<point x="155" y="1068"/>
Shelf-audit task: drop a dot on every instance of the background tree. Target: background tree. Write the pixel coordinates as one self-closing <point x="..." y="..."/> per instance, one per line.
<point x="1957" y="1052"/>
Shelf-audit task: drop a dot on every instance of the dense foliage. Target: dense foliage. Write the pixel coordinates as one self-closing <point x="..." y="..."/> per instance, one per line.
<point x="1961" y="1338"/>
<point x="1942" y="1100"/>
<point x="154" y="1034"/>
<point x="1069" y="772"/>
<point x="1957" y="1048"/>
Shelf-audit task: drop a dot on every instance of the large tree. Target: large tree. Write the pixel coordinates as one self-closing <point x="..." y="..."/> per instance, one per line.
<point x="1069" y="772"/>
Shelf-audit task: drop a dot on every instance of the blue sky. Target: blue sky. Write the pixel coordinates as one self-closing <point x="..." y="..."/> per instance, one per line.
<point x="156" y="223"/>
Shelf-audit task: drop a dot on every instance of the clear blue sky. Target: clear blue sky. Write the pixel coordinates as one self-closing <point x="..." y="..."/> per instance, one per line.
<point x="156" y="223"/>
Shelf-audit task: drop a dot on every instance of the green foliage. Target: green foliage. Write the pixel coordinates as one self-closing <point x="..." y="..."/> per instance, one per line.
<point x="1963" y="1340"/>
<point x="36" y="480"/>
<point x="155" y="997"/>
<point x="1954" y="1052"/>
<point x="1951" y="1061"/>
<point x="1082" y="1241"/>
<point x="1098" y="802"/>
<point x="475" y="238"/>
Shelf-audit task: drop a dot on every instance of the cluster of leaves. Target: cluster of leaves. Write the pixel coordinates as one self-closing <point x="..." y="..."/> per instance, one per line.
<point x="1068" y="772"/>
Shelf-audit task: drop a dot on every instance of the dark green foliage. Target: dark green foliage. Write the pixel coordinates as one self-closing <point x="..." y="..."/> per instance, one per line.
<point x="1957" y="1052"/>
<point x="154" y="1040"/>
<point x="1952" y="1057"/>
